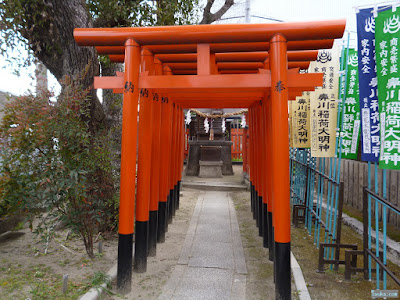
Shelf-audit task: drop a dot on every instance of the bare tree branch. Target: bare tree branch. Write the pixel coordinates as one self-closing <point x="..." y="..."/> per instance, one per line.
<point x="209" y="17"/>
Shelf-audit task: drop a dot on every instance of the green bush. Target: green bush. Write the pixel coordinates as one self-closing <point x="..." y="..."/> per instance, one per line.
<point x="55" y="167"/>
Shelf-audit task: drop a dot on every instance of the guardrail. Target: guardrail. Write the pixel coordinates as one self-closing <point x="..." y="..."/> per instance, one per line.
<point x="379" y="254"/>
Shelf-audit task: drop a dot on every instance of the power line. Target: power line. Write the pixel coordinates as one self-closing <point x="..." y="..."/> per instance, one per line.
<point x="268" y="18"/>
<point x="237" y="17"/>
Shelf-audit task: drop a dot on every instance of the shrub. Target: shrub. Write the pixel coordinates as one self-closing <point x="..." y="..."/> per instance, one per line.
<point x="54" y="167"/>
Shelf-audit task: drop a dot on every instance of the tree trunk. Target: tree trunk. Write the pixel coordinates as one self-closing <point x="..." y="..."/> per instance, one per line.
<point x="53" y="43"/>
<point x="209" y="17"/>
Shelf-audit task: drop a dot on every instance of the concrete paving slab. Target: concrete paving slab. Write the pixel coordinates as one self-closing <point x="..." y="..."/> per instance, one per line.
<point x="187" y="245"/>
<point x="211" y="218"/>
<point x="213" y="234"/>
<point x="214" y="215"/>
<point x="172" y="283"/>
<point x="212" y="264"/>
<point x="216" y="186"/>
<point x="239" y="287"/>
<point x="204" y="283"/>
<point x="204" y="228"/>
<point x="212" y="255"/>
<point x="220" y="211"/>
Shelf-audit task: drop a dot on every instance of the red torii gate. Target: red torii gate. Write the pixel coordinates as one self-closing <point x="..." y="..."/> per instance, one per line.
<point x="261" y="82"/>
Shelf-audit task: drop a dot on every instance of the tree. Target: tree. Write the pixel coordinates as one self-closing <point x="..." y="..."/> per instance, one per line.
<point x="209" y="17"/>
<point x="46" y="27"/>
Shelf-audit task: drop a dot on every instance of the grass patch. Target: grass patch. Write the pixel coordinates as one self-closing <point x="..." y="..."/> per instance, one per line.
<point x="40" y="282"/>
<point x="98" y="279"/>
<point x="19" y="226"/>
<point x="260" y="278"/>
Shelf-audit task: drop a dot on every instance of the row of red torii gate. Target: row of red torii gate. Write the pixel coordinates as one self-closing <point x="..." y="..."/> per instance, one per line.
<point x="168" y="69"/>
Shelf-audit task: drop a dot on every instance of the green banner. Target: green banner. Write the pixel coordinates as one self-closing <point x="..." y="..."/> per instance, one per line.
<point x="387" y="34"/>
<point x="350" y="129"/>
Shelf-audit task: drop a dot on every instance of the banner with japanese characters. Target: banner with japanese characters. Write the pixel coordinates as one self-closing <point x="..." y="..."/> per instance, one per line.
<point x="323" y="104"/>
<point x="369" y="107"/>
<point x="301" y="121"/>
<point x="387" y="34"/>
<point x="290" y="102"/>
<point x="350" y="124"/>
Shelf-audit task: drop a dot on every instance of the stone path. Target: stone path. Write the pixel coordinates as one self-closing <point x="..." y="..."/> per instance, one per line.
<point x="211" y="263"/>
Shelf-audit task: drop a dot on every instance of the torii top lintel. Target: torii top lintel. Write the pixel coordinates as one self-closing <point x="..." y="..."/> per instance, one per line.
<point x="221" y="33"/>
<point x="221" y="47"/>
<point x="220" y="40"/>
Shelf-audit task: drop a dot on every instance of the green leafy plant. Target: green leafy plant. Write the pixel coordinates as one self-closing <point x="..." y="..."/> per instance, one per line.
<point x="53" y="166"/>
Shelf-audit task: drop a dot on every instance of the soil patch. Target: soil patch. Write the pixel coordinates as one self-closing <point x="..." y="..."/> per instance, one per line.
<point x="26" y="272"/>
<point x="331" y="284"/>
<point x="260" y="277"/>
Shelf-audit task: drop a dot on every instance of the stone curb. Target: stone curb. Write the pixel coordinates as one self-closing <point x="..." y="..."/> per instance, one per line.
<point x="238" y="252"/>
<point x="94" y="293"/>
<point x="298" y="277"/>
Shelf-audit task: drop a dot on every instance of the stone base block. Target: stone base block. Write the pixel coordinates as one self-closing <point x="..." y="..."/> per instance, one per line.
<point x="210" y="169"/>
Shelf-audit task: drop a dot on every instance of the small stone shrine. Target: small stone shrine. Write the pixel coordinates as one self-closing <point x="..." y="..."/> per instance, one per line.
<point x="209" y="148"/>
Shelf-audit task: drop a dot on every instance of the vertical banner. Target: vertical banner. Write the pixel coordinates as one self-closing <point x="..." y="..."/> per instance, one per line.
<point x="290" y="104"/>
<point x="350" y="130"/>
<point x="387" y="34"/>
<point x="323" y="104"/>
<point x="369" y="107"/>
<point x="301" y="121"/>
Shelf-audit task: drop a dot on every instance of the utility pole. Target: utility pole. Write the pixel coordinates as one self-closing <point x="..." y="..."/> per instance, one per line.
<point x="247" y="11"/>
<point x="41" y="79"/>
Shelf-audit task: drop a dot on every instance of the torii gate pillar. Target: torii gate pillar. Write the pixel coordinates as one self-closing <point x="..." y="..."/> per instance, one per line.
<point x="280" y="165"/>
<point x="128" y="164"/>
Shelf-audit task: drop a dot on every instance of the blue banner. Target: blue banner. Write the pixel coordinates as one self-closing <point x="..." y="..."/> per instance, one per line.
<point x="369" y="107"/>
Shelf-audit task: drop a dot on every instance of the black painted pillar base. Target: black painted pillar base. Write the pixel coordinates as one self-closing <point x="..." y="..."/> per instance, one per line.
<point x="162" y="220"/>
<point x="167" y="208"/>
<point x="260" y="213"/>
<point x="252" y="197"/>
<point x="141" y="247"/>
<point x="256" y="207"/>
<point x="124" y="267"/>
<point x="170" y="206"/>
<point x="175" y="199"/>
<point x="153" y="223"/>
<point x="265" y="225"/>
<point x="270" y="237"/>
<point x="282" y="275"/>
<point x="179" y="195"/>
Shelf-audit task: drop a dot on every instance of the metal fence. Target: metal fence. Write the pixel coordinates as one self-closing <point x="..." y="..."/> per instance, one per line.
<point x="317" y="197"/>
<point x="376" y="208"/>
